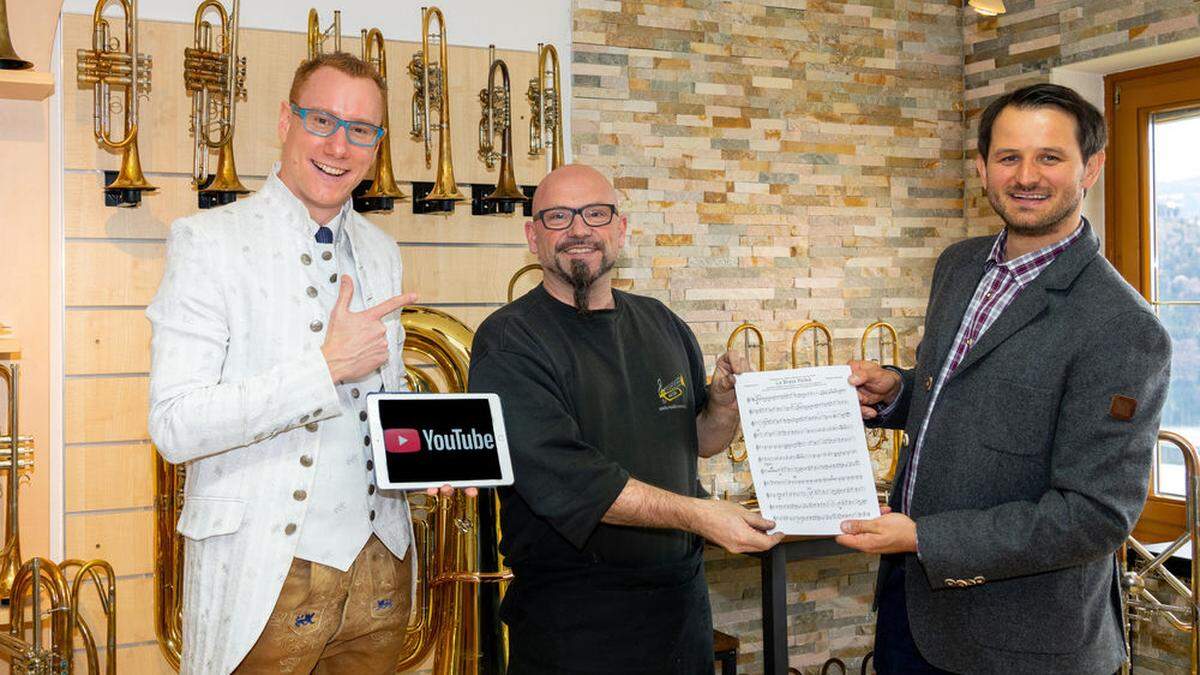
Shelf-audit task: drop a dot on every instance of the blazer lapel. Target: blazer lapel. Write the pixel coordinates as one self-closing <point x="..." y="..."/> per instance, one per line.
<point x="942" y="325"/>
<point x="1032" y="300"/>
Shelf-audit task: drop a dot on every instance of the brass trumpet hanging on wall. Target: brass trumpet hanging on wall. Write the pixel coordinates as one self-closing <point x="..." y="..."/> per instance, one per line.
<point x="884" y="445"/>
<point x="382" y="192"/>
<point x="496" y="119"/>
<point x="115" y="64"/>
<point x="545" y="101"/>
<point x="8" y="56"/>
<point x="431" y="81"/>
<point x="215" y="78"/>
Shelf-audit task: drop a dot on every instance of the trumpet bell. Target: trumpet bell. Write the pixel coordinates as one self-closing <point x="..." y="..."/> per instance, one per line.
<point x="127" y="188"/>
<point x="224" y="186"/>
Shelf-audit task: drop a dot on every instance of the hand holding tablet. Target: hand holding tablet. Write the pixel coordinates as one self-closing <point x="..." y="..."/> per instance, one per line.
<point x="423" y="441"/>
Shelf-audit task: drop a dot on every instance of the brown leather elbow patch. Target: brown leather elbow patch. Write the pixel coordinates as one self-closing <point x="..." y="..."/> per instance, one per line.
<point x="1122" y="407"/>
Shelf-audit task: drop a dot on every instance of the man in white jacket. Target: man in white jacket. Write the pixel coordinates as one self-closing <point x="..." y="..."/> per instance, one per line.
<point x="275" y="317"/>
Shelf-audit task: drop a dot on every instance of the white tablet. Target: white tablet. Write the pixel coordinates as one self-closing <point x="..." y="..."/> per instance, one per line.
<point x="429" y="440"/>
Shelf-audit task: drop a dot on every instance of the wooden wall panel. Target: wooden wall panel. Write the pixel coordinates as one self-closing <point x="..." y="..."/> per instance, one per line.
<point x="90" y="484"/>
<point x="102" y="409"/>
<point x="106" y="341"/>
<point x="461" y="274"/>
<point x="137" y="658"/>
<point x="125" y="539"/>
<point x="113" y="272"/>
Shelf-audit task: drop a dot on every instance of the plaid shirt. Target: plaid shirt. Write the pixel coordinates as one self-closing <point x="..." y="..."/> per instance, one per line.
<point x="1001" y="283"/>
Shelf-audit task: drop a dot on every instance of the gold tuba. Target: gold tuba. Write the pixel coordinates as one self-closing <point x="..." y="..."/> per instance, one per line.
<point x="431" y="81"/>
<point x="383" y="192"/>
<point x="318" y="37"/>
<point x="820" y="337"/>
<point x="886" y="352"/>
<point x="215" y="77"/>
<point x="746" y="328"/>
<point x="545" y="99"/>
<point x="497" y="119"/>
<point x="1139" y="564"/>
<point x="113" y="63"/>
<point x="8" y="56"/>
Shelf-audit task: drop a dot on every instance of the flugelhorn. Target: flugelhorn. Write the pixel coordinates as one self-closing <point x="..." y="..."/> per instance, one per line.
<point x="317" y="37"/>
<point x="383" y="191"/>
<point x="215" y="77"/>
<point x="497" y="119"/>
<point x="746" y="328"/>
<point x="431" y="81"/>
<point x="880" y="343"/>
<point x="8" y="56"/>
<point x="115" y="63"/>
<point x="545" y="101"/>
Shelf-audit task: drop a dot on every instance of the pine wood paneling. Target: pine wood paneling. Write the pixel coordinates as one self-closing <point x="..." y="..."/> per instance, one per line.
<point x="100" y="477"/>
<point x="107" y="341"/>
<point x="106" y="409"/>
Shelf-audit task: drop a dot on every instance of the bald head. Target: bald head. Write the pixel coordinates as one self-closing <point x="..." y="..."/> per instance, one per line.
<point x="573" y="185"/>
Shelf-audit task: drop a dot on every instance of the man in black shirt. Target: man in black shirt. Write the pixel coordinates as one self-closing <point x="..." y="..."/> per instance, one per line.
<point x="606" y="411"/>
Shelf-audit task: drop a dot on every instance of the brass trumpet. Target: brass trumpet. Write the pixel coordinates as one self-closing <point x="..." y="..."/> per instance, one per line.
<point x="115" y="63"/>
<point x="10" y="557"/>
<point x="215" y="77"/>
<point x="8" y="56"/>
<point x="383" y="190"/>
<point x="545" y="99"/>
<point x="317" y="37"/>
<point x="749" y="329"/>
<point x="886" y="352"/>
<point x="497" y="119"/>
<point x="431" y="81"/>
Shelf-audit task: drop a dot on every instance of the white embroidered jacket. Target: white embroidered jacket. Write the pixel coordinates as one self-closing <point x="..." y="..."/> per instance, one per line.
<point x="238" y="388"/>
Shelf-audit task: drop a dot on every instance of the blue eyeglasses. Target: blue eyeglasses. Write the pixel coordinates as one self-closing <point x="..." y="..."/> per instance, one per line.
<point x="323" y="124"/>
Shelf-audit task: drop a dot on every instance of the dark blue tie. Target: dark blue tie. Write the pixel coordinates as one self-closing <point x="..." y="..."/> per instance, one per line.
<point x="324" y="235"/>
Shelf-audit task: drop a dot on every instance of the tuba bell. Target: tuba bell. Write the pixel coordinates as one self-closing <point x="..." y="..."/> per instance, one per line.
<point x="8" y="56"/>
<point x="318" y="37"/>
<point x="882" y="442"/>
<point x="545" y="101"/>
<point x="383" y="192"/>
<point x="497" y="119"/>
<point x="110" y="64"/>
<point x="431" y="81"/>
<point x="215" y="77"/>
<point x="746" y="328"/>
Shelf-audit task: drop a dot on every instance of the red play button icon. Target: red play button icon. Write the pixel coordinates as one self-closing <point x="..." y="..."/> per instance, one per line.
<point x="401" y="440"/>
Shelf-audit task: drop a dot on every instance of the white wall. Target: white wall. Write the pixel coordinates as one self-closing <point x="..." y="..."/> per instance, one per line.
<point x="509" y="24"/>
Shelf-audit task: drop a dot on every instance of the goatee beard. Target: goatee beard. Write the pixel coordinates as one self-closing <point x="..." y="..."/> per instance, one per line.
<point x="581" y="282"/>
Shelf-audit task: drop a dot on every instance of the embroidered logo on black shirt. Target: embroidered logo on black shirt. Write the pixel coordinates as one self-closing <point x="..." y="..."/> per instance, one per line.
<point x="671" y="393"/>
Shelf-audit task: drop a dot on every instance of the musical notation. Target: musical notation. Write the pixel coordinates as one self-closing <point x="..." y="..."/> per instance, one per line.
<point x="807" y="450"/>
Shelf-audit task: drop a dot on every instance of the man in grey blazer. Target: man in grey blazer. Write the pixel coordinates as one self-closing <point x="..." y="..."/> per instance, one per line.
<point x="1032" y="410"/>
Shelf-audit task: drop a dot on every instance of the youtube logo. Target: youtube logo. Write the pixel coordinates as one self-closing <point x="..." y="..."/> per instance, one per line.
<point x="401" y="440"/>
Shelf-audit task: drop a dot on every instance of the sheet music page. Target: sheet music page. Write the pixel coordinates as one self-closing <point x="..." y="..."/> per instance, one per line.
<point x="807" y="448"/>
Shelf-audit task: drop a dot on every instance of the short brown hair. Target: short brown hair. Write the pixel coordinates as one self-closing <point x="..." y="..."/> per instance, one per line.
<point x="1090" y="131"/>
<point x="342" y="62"/>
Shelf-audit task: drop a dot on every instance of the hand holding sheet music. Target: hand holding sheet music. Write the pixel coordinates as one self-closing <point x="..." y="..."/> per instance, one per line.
<point x="807" y="448"/>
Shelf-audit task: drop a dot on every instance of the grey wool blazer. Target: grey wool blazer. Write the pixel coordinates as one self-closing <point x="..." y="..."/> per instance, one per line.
<point x="1031" y="473"/>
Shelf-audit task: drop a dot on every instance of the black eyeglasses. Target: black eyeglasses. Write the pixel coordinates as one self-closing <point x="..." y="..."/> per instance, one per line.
<point x="323" y="124"/>
<point x="560" y="217"/>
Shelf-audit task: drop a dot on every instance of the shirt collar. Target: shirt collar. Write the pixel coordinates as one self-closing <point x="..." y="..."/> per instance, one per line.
<point x="295" y="211"/>
<point x="1026" y="268"/>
